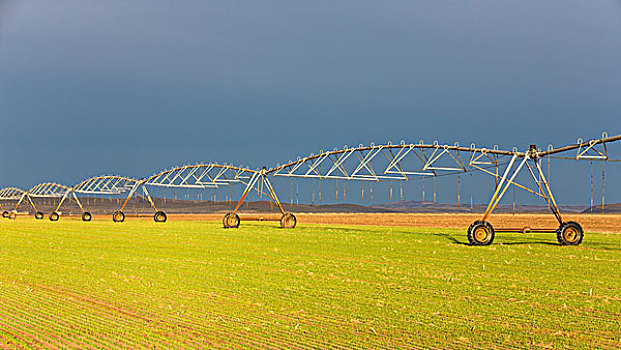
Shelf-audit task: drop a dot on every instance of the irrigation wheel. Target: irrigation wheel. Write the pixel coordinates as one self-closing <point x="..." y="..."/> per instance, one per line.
<point x="118" y="216"/>
<point x="86" y="216"/>
<point x="160" y="216"/>
<point x="5" y="214"/>
<point x="230" y="220"/>
<point x="54" y="216"/>
<point x="481" y="233"/>
<point x="38" y="215"/>
<point x="570" y="233"/>
<point x="13" y="215"/>
<point x="288" y="220"/>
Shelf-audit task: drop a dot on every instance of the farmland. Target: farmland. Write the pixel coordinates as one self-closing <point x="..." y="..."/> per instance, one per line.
<point x="192" y="284"/>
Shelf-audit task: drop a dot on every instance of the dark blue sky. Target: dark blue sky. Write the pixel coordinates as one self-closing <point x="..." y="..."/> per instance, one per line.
<point x="131" y="87"/>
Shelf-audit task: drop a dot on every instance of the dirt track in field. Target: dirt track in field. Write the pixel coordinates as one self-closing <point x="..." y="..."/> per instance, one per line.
<point x="598" y="223"/>
<point x="590" y="222"/>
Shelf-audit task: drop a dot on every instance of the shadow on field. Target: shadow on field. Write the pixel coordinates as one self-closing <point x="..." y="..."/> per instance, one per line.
<point x="456" y="241"/>
<point x="450" y="238"/>
<point x="529" y="242"/>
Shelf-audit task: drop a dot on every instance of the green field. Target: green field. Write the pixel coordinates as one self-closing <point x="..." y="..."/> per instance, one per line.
<point x="185" y="285"/>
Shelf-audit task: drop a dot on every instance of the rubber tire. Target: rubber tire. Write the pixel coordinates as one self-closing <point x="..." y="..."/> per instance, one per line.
<point x="86" y="216"/>
<point x="5" y="214"/>
<point x="474" y="241"/>
<point x="226" y="221"/>
<point x="160" y="216"/>
<point x="118" y="216"/>
<point x="38" y="215"/>
<point x="12" y="215"/>
<point x="560" y="233"/>
<point x="288" y="220"/>
<point x="54" y="216"/>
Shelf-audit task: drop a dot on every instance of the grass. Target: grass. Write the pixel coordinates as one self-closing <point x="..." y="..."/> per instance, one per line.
<point x="195" y="285"/>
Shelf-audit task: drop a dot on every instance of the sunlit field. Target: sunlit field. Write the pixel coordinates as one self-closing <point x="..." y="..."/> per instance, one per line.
<point x="193" y="284"/>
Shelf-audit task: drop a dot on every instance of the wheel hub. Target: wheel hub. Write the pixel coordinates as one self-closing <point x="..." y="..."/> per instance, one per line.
<point x="571" y="234"/>
<point x="231" y="220"/>
<point x="288" y="220"/>
<point x="481" y="234"/>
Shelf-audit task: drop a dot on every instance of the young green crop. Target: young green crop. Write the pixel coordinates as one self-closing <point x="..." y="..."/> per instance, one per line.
<point x="139" y="284"/>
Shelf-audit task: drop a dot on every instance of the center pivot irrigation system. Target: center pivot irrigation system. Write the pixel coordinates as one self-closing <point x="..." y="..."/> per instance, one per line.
<point x="374" y="163"/>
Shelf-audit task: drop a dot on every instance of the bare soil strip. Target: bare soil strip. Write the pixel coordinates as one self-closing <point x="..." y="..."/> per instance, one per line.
<point x="606" y="223"/>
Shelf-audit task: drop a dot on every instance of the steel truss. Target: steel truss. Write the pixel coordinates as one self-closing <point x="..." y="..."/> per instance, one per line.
<point x="196" y="176"/>
<point x="405" y="161"/>
<point x="43" y="190"/>
<point x="107" y="185"/>
<point x="9" y="194"/>
<point x="390" y="162"/>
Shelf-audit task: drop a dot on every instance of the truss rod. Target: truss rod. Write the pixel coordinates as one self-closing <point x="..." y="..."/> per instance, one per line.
<point x="580" y="145"/>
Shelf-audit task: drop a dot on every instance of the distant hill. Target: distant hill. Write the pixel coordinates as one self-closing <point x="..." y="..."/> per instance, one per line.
<point x="429" y="207"/>
<point x="612" y="208"/>
<point x="139" y="205"/>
